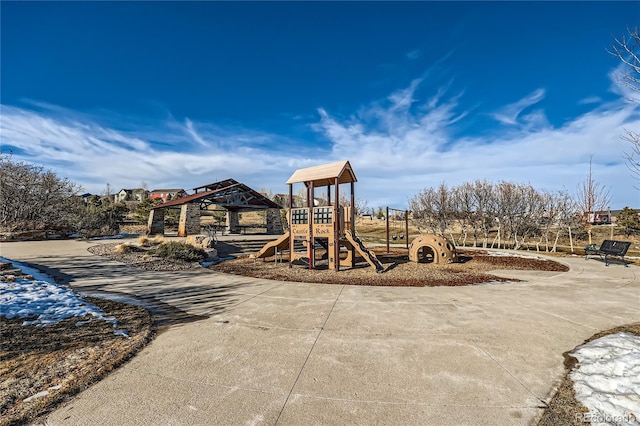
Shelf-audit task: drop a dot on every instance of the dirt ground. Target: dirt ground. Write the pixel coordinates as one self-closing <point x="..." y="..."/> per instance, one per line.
<point x="63" y="359"/>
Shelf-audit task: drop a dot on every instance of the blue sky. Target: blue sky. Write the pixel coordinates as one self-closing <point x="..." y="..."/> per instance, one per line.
<point x="412" y="93"/>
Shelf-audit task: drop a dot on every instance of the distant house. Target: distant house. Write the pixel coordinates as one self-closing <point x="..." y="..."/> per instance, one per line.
<point x="605" y="217"/>
<point x="86" y="197"/>
<point x="167" y="194"/>
<point x="135" y="194"/>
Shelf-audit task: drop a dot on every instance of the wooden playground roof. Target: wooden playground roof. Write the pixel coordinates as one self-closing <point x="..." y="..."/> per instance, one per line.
<point x="324" y="174"/>
<point x="230" y="194"/>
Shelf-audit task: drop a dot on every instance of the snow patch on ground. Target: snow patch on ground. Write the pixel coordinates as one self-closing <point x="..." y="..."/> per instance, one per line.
<point x="607" y="379"/>
<point x="28" y="270"/>
<point x="214" y="262"/>
<point x="41" y="394"/>
<point x="47" y="302"/>
<point x="505" y="254"/>
<point x="116" y="237"/>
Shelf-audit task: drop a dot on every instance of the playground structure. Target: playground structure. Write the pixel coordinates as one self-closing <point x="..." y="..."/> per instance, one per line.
<point x="431" y="247"/>
<point x="399" y="232"/>
<point x="332" y="226"/>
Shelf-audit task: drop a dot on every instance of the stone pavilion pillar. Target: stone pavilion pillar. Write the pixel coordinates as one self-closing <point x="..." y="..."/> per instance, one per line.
<point x="189" y="220"/>
<point x="274" y="222"/>
<point x="155" y="224"/>
<point x="233" y="222"/>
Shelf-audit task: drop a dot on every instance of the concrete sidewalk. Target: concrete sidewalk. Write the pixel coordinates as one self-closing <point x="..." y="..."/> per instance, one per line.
<point x="249" y="351"/>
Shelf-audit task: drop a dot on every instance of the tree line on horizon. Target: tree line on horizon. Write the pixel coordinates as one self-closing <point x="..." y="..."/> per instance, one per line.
<point x="32" y="198"/>
<point x="515" y="213"/>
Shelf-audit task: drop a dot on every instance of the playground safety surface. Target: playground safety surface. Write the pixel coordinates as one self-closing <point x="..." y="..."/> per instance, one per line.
<point x="472" y="267"/>
<point x="238" y="350"/>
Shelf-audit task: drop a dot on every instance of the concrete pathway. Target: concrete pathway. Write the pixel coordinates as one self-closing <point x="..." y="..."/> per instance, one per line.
<point x="247" y="351"/>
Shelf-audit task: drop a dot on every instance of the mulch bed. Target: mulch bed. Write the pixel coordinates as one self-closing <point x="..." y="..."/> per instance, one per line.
<point x="473" y="267"/>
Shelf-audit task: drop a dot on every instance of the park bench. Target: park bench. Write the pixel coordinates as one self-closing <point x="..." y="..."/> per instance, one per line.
<point x="608" y="248"/>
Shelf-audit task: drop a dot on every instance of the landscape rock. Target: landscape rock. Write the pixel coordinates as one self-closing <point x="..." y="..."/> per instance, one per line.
<point x="200" y="241"/>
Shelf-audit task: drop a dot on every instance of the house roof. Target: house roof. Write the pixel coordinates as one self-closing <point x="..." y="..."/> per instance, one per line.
<point x="229" y="194"/>
<point x="168" y="190"/>
<point x="216" y="185"/>
<point x="324" y="174"/>
<point x="132" y="190"/>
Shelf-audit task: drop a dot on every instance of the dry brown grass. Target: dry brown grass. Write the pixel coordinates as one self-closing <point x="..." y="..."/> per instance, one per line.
<point x="125" y="248"/>
<point x="63" y="358"/>
<point x="374" y="231"/>
<point x="564" y="408"/>
<point x="157" y="240"/>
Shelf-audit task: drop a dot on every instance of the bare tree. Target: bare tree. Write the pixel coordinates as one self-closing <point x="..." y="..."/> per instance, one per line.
<point x="591" y="197"/>
<point x="633" y="156"/>
<point x="433" y="209"/>
<point x="515" y="212"/>
<point x="361" y="206"/>
<point x="523" y="223"/>
<point x="423" y="212"/>
<point x="464" y="210"/>
<point x="484" y="200"/>
<point x="627" y="50"/>
<point x="34" y="198"/>
<point x="108" y="192"/>
<point x="567" y="216"/>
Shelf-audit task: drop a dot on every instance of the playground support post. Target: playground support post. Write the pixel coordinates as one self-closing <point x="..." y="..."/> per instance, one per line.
<point x="310" y="198"/>
<point x="336" y="225"/>
<point x="290" y="220"/>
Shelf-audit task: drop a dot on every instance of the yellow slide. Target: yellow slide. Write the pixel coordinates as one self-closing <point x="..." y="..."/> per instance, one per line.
<point x="270" y="248"/>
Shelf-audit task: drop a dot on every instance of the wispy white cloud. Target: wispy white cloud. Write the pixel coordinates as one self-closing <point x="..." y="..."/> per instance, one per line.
<point x="414" y="54"/>
<point x="398" y="146"/>
<point x="416" y="149"/>
<point x="622" y="85"/>
<point x="194" y="134"/>
<point x="512" y="113"/>
<point x="590" y="100"/>
<point x="93" y="155"/>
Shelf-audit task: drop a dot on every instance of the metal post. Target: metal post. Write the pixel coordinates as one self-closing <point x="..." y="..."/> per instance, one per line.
<point x="387" y="218"/>
<point x="406" y="225"/>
